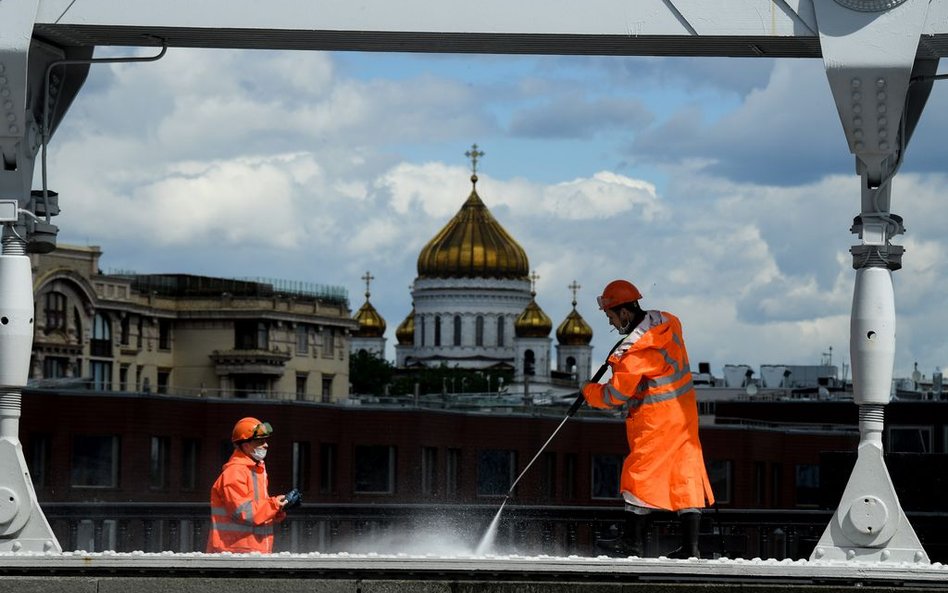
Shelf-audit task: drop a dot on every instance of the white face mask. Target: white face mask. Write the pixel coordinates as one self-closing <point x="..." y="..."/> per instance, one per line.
<point x="259" y="453"/>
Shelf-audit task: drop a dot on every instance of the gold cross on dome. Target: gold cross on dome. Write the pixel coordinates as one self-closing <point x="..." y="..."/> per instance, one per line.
<point x="533" y="281"/>
<point x="368" y="278"/>
<point x="575" y="288"/>
<point x="474" y="155"/>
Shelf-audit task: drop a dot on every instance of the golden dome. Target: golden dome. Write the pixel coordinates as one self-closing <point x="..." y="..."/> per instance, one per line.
<point x="473" y="245"/>
<point x="371" y="324"/>
<point x="574" y="331"/>
<point x="533" y="322"/>
<point x="405" y="334"/>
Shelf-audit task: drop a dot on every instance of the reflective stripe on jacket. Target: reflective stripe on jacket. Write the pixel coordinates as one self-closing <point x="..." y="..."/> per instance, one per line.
<point x="650" y="374"/>
<point x="242" y="511"/>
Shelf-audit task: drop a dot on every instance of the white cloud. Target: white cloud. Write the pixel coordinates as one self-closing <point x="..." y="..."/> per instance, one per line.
<point x="309" y="172"/>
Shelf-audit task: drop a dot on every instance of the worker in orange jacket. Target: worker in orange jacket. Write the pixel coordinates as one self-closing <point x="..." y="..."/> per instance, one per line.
<point x="243" y="514"/>
<point x="651" y="377"/>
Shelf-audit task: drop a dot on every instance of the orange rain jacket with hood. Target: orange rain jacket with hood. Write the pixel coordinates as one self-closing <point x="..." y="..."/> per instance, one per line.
<point x="242" y="512"/>
<point x="650" y="374"/>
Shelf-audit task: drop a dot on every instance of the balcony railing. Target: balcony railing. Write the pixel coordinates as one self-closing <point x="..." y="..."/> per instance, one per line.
<point x="558" y="531"/>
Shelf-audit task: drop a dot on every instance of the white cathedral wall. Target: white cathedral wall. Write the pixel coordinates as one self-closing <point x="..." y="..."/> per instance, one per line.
<point x="466" y="298"/>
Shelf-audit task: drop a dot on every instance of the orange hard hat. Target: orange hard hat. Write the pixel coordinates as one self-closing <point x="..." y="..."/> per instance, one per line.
<point x="250" y="428"/>
<point x="616" y="293"/>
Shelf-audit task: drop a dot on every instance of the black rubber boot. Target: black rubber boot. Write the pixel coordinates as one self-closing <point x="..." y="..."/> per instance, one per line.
<point x="689" y="536"/>
<point x="631" y="542"/>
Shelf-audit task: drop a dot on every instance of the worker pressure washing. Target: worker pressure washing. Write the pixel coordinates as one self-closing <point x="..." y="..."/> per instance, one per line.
<point x="243" y="514"/>
<point x="664" y="469"/>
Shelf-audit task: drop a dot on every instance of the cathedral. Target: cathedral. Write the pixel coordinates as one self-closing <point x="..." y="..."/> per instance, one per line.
<point x="474" y="307"/>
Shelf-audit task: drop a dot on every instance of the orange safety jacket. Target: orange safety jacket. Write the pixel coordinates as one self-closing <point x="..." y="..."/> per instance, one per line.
<point x="650" y="374"/>
<point x="242" y="512"/>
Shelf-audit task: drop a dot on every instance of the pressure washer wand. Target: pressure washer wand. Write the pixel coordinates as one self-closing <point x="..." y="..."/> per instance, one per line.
<point x="572" y="410"/>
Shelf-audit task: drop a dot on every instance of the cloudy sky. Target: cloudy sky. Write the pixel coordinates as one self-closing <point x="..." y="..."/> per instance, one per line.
<point x="722" y="187"/>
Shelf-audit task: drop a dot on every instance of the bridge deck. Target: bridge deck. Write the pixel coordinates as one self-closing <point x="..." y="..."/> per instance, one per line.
<point x="80" y="571"/>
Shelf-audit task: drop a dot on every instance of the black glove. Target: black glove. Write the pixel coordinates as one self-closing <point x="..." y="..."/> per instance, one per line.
<point x="293" y="499"/>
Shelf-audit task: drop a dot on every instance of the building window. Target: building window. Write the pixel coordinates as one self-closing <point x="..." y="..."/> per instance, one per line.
<point x="719" y="476"/>
<point x="421" y="324"/>
<point x="95" y="462"/>
<point x="251" y="386"/>
<point x="301" y="386"/>
<point x="327" y="467"/>
<point x="164" y="334"/>
<point x="374" y="469"/>
<point x="124" y="330"/>
<point x="190" y="452"/>
<point x="302" y="339"/>
<point x="500" y="330"/>
<point x="453" y="472"/>
<point x="808" y="484"/>
<point x="164" y="381"/>
<point x="251" y="335"/>
<point x="606" y="475"/>
<point x="910" y="439"/>
<point x="495" y="471"/>
<point x="54" y="367"/>
<point x="301" y="465"/>
<point x="457" y="330"/>
<point x="123" y="377"/>
<point x="158" y="463"/>
<point x="101" y="375"/>
<point x="329" y="343"/>
<point x="569" y="476"/>
<point x="40" y="445"/>
<point x="55" y="311"/>
<point x="437" y="336"/>
<point x="479" y="330"/>
<point x="549" y="475"/>
<point x="141" y="333"/>
<point x="326" y="391"/>
<point x="429" y="471"/>
<point x="101" y="344"/>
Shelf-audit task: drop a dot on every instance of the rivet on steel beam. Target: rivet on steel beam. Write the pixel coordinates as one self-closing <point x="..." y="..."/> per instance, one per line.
<point x="882" y="122"/>
<point x="880" y="95"/>
<point x="11" y="117"/>
<point x="857" y="108"/>
<point x="857" y="133"/>
<point x="881" y="108"/>
<point x="883" y="133"/>
<point x="856" y="83"/>
<point x="858" y="145"/>
<point x="857" y="96"/>
<point x="857" y="121"/>
<point x="14" y="130"/>
<point x="884" y="146"/>
<point x="880" y="83"/>
<point x="850" y="554"/>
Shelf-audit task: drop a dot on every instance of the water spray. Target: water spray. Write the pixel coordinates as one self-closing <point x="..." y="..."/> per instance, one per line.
<point x="488" y="538"/>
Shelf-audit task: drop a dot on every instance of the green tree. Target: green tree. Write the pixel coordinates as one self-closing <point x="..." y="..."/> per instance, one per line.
<point x="369" y="373"/>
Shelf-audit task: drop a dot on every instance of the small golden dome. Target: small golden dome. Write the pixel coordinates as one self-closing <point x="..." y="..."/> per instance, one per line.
<point x="574" y="331"/>
<point x="405" y="334"/>
<point x="473" y="245"/>
<point x="371" y="324"/>
<point x="533" y="322"/>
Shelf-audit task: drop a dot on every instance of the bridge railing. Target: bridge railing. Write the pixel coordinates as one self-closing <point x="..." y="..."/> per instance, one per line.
<point x="456" y="529"/>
